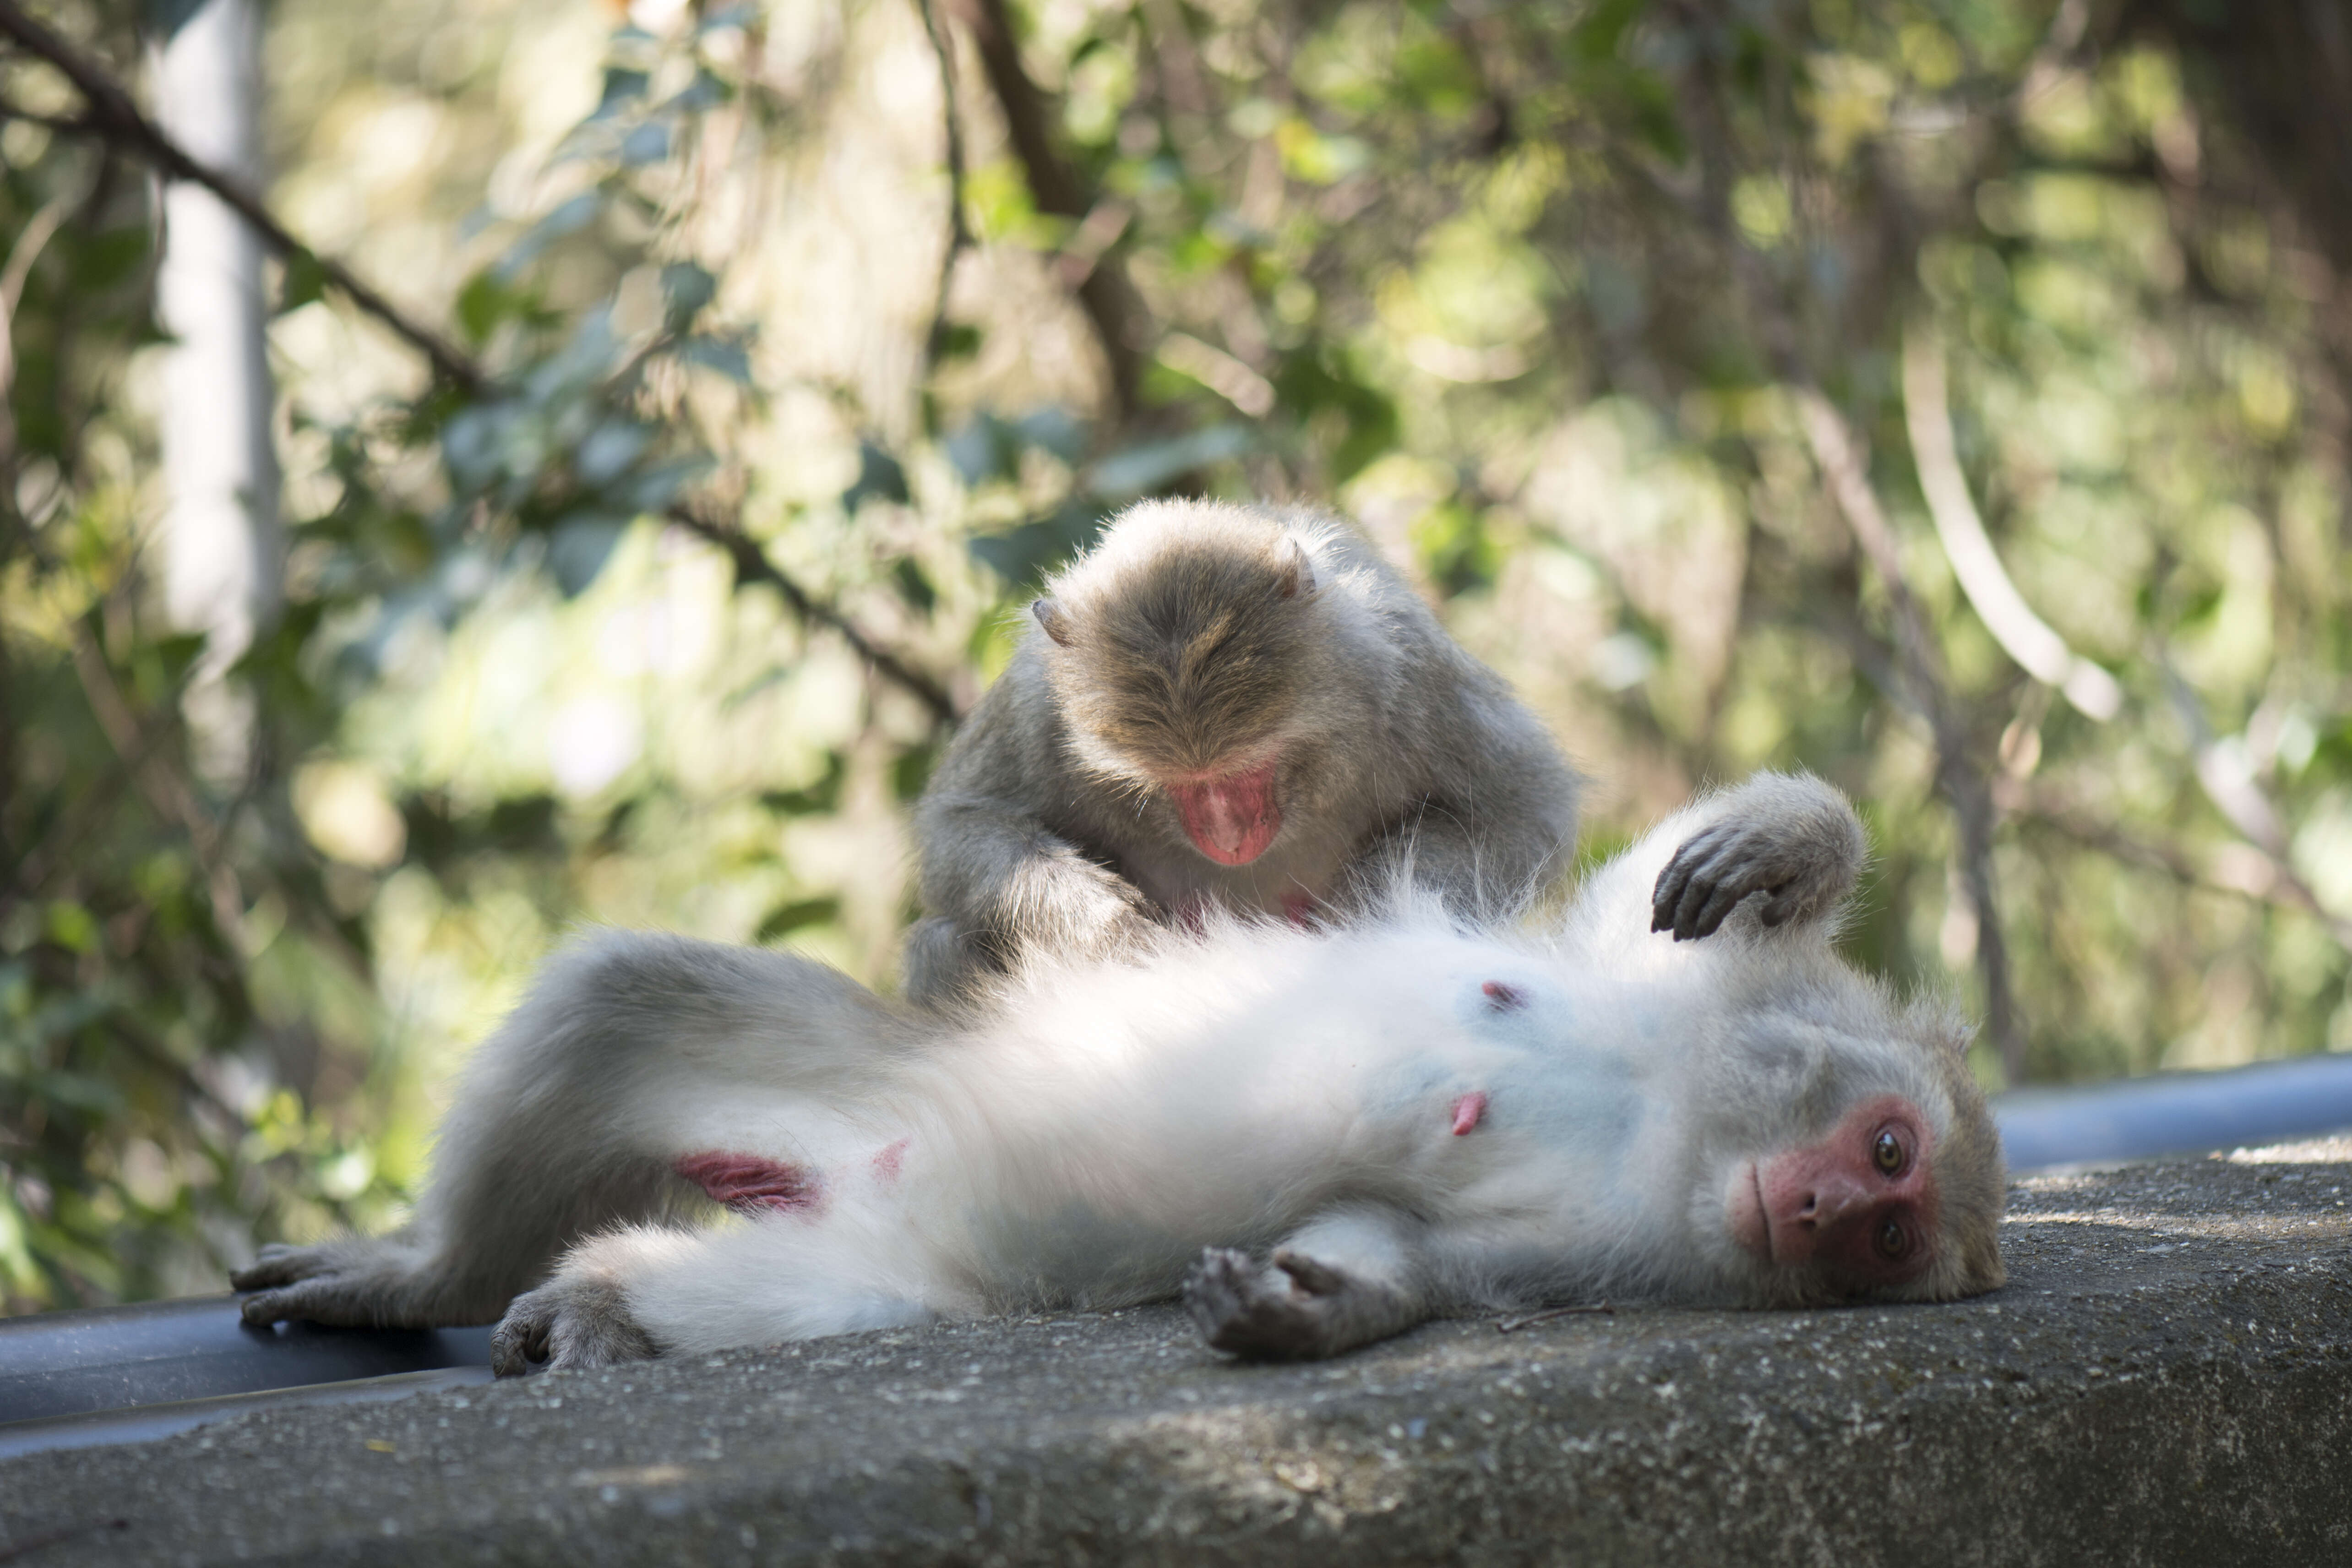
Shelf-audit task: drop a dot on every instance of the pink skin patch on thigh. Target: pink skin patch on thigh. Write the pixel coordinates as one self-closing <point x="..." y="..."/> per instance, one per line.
<point x="886" y="1161"/>
<point x="1467" y="1111"/>
<point x="1299" y="906"/>
<point x="750" y="1184"/>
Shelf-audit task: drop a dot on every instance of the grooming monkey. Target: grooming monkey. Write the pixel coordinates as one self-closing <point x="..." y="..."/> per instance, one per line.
<point x="1320" y="1137"/>
<point x="1224" y="707"/>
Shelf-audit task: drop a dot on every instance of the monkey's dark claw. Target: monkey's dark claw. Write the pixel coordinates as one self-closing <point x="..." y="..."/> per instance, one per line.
<point x="1673" y="891"/>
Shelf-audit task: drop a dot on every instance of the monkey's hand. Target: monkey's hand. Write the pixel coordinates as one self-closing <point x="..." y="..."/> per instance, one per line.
<point x="356" y="1283"/>
<point x="1063" y="902"/>
<point x="1298" y="1308"/>
<point x="576" y="1320"/>
<point x="1800" y="847"/>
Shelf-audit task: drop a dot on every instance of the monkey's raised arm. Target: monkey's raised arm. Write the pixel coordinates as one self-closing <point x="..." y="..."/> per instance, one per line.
<point x="995" y="878"/>
<point x="1785" y="846"/>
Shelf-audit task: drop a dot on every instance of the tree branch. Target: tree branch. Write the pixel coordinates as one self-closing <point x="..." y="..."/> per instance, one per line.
<point x="1117" y="313"/>
<point x="1837" y="455"/>
<point x="1845" y="475"/>
<point x="110" y="115"/>
<point x="2025" y="636"/>
<point x="959" y="231"/>
<point x="753" y="566"/>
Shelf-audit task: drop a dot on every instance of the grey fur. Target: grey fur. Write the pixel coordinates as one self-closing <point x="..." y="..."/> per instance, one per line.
<point x="1045" y="827"/>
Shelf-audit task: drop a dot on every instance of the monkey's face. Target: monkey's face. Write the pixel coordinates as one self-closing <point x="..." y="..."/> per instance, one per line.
<point x="1856" y="1210"/>
<point x="1181" y="680"/>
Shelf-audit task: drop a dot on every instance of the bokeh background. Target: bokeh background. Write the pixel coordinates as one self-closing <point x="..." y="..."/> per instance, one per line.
<point x="1949" y="396"/>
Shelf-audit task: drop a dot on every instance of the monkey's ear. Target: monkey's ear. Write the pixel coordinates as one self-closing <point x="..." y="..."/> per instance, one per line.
<point x="1298" y="579"/>
<point x="1053" y="618"/>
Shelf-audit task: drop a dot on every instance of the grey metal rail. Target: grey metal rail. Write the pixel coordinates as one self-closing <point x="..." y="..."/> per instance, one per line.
<point x="2177" y="1112"/>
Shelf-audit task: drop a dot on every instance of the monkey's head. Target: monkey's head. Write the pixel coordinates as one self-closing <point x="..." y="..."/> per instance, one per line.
<point x="1178" y="651"/>
<point x="1868" y="1167"/>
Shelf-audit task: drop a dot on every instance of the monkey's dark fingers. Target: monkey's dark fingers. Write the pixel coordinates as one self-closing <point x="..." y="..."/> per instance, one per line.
<point x="1706" y="920"/>
<point x="1788" y="899"/>
<point x="1697" y="853"/>
<point x="278" y="1265"/>
<point x="338" y="1300"/>
<point x="1314" y="1278"/>
<point x="268" y="1308"/>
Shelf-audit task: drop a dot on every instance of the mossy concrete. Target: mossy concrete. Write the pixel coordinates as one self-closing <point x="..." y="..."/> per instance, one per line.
<point x="2167" y="1379"/>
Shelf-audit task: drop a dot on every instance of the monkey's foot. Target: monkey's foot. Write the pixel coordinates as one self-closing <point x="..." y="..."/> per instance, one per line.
<point x="571" y="1322"/>
<point x="353" y="1284"/>
<point x="1802" y="861"/>
<point x="1293" y="1309"/>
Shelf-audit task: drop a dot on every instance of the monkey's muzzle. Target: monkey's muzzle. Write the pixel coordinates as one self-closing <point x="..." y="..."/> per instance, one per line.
<point x="1231" y="819"/>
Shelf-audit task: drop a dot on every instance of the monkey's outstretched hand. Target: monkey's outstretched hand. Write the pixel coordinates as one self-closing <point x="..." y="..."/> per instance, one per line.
<point x="1794" y="840"/>
<point x="353" y="1282"/>
<point x="572" y="1321"/>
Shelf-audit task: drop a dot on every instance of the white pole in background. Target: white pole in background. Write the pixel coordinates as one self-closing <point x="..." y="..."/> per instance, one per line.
<point x="222" y="543"/>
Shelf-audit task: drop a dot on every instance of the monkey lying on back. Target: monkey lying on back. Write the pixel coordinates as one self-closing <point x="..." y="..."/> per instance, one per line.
<point x="1362" y="1127"/>
<point x="1225" y="707"/>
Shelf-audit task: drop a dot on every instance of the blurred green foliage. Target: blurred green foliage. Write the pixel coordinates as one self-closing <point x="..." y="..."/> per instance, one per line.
<point x="1526" y="288"/>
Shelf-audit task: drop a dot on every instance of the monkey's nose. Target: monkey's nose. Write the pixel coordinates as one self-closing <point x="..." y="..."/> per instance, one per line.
<point x="1829" y="1203"/>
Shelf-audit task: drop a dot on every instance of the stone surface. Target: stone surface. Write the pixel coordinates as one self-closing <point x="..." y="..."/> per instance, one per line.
<point x="2167" y="1379"/>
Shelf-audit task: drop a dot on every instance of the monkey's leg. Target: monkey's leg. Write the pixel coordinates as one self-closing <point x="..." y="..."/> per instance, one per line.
<point x="1348" y="1278"/>
<point x="647" y="1291"/>
<point x="631" y="1052"/>
<point x="1789" y="838"/>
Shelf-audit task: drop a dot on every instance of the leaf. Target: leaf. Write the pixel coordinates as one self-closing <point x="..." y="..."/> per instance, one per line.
<point x="569" y="217"/>
<point x="686" y="289"/>
<point x="1022" y="555"/>
<point x="646" y="144"/>
<point x="1139" y="470"/>
<point x="878" y="474"/>
<point x="608" y="450"/>
<point x="305" y="282"/>
<point x="913" y="586"/>
<point x="623" y="85"/>
<point x="730" y="357"/>
<point x="165" y="18"/>
<point x="659" y="483"/>
<point x="578" y="549"/>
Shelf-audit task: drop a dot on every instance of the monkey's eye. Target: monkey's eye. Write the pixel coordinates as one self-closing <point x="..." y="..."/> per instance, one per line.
<point x="1887" y="1152"/>
<point x="1892" y="1240"/>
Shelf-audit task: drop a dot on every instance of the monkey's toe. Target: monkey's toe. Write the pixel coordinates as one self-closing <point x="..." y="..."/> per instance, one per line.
<point x="519" y="1342"/>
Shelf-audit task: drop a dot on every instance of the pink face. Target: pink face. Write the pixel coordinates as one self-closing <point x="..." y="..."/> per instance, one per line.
<point x="1230" y="818"/>
<point x="1859" y="1205"/>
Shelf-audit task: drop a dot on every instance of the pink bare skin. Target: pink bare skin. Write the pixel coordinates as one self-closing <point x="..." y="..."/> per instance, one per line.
<point x="1233" y="817"/>
<point x="752" y="1183"/>
<point x="1862" y="1200"/>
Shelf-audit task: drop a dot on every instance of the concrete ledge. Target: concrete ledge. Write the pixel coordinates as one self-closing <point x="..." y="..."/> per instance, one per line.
<point x="2167" y="1379"/>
